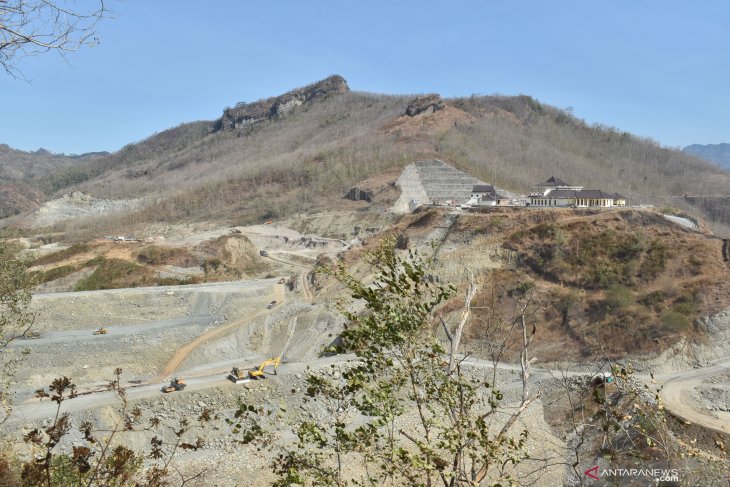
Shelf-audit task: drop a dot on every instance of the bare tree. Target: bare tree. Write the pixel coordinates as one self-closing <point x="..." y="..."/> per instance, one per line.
<point x="31" y="27"/>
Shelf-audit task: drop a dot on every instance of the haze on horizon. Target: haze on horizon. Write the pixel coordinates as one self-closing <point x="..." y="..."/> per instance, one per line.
<point x="655" y="69"/>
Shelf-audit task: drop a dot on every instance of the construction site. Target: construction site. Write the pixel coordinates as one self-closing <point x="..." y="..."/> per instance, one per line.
<point x="210" y="345"/>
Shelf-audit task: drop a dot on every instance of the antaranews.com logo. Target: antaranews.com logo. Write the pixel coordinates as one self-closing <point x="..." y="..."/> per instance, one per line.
<point x="658" y="474"/>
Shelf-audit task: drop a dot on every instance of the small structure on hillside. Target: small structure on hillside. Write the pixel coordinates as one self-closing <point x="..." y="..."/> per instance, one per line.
<point x="434" y="182"/>
<point x="556" y="193"/>
<point x="486" y="195"/>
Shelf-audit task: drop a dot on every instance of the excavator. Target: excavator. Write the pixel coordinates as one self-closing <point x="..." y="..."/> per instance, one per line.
<point x="176" y="384"/>
<point x="101" y="331"/>
<point x="238" y="375"/>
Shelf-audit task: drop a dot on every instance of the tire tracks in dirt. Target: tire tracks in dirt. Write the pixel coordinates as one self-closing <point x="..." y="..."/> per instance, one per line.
<point x="183" y="353"/>
<point x="308" y="295"/>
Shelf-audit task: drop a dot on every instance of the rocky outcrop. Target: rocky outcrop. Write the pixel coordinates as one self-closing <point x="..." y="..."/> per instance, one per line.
<point x="358" y="194"/>
<point x="247" y="114"/>
<point x="425" y="104"/>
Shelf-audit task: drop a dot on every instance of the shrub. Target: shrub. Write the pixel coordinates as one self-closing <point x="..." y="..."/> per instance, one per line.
<point x="114" y="274"/>
<point x="604" y="275"/>
<point x="652" y="298"/>
<point x="655" y="260"/>
<point x="695" y="265"/>
<point x="674" y="321"/>
<point x="685" y="305"/>
<point x="589" y="257"/>
<point x="61" y="254"/>
<point x="618" y="296"/>
<point x="521" y="289"/>
<point x="56" y="273"/>
<point x="155" y="255"/>
<point x="211" y="264"/>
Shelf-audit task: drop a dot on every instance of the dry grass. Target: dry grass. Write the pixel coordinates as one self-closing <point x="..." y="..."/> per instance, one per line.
<point x="157" y="255"/>
<point x="307" y="160"/>
<point x="600" y="284"/>
<point x="62" y="255"/>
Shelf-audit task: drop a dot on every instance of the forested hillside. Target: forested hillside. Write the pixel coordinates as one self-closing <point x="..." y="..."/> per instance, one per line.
<point x="16" y="166"/>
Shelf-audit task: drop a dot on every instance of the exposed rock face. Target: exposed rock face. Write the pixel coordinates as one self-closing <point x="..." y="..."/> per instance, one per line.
<point x="357" y="194"/>
<point x="78" y="204"/>
<point x="425" y="104"/>
<point x="246" y="114"/>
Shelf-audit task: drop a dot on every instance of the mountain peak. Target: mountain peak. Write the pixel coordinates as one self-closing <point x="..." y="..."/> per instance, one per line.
<point x="719" y="154"/>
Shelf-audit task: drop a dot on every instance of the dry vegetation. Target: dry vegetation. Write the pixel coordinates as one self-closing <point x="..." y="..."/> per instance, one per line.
<point x="626" y="281"/>
<point x="610" y="283"/>
<point x="146" y="264"/>
<point x="307" y="160"/>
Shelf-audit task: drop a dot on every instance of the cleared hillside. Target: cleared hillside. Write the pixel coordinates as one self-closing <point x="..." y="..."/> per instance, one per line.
<point x="306" y="159"/>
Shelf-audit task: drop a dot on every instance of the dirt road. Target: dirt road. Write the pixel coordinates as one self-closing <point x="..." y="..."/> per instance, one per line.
<point x="183" y="353"/>
<point x="214" y="376"/>
<point x="287" y="262"/>
<point x="677" y="392"/>
<point x="678" y="400"/>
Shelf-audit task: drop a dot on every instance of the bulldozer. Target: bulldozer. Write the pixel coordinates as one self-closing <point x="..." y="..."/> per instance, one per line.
<point x="258" y="372"/>
<point x="176" y="384"/>
<point x="101" y="331"/>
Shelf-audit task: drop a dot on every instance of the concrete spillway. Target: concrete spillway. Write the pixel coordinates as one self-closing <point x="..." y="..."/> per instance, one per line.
<point x="433" y="181"/>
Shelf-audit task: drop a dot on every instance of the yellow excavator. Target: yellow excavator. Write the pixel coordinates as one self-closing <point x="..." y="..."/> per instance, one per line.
<point x="101" y="331"/>
<point x="258" y="372"/>
<point x="238" y="376"/>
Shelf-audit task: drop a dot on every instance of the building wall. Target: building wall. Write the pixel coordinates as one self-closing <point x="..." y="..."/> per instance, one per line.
<point x="569" y="202"/>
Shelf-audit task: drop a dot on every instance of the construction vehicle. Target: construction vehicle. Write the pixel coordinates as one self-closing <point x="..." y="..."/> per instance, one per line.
<point x="238" y="376"/>
<point x="176" y="384"/>
<point x="101" y="331"/>
<point x="32" y="334"/>
<point x="258" y="372"/>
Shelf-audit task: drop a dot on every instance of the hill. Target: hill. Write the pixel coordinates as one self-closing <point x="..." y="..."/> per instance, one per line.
<point x="16" y="165"/>
<point x="306" y="157"/>
<point x="18" y="169"/>
<point x="717" y="153"/>
<point x="624" y="283"/>
<point x="18" y="198"/>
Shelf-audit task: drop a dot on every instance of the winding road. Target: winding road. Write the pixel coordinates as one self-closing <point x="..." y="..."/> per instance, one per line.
<point x="183" y="353"/>
<point x="676" y="392"/>
<point x="677" y="398"/>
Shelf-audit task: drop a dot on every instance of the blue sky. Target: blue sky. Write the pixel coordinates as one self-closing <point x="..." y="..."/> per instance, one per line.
<point x="655" y="68"/>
